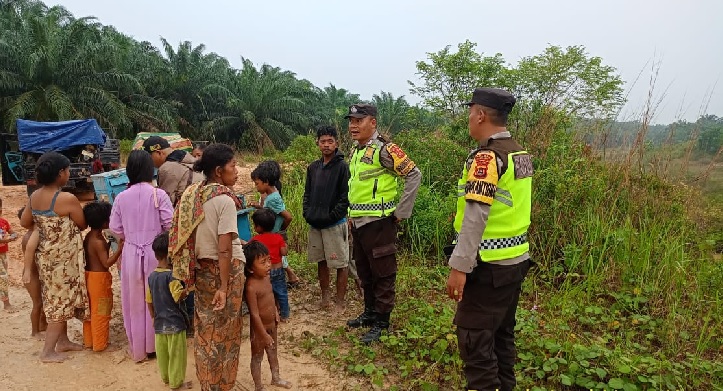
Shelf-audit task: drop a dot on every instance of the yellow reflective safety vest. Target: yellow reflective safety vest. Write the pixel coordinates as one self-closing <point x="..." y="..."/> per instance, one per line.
<point x="505" y="235"/>
<point x="372" y="188"/>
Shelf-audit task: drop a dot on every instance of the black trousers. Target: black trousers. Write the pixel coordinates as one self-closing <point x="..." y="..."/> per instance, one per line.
<point x="485" y="322"/>
<point x="376" y="262"/>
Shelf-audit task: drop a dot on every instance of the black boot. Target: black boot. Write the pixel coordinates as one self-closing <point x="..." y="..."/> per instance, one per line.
<point x="381" y="324"/>
<point x="366" y="319"/>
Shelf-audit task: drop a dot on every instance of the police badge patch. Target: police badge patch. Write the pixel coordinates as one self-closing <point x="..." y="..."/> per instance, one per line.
<point x="403" y="165"/>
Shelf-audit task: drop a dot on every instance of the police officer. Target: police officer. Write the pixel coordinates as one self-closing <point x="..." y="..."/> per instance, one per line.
<point x="374" y="166"/>
<point x="491" y="258"/>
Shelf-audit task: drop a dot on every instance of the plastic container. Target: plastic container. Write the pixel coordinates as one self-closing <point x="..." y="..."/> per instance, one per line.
<point x="244" y="224"/>
<point x="109" y="184"/>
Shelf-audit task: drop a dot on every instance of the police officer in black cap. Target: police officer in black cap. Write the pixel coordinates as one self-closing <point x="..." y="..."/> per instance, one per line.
<point x="491" y="256"/>
<point x="375" y="166"/>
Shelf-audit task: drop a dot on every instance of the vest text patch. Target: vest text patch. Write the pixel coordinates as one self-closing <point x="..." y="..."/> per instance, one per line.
<point x="523" y="166"/>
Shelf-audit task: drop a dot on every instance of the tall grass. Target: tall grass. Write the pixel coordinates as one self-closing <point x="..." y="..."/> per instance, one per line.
<point x="625" y="295"/>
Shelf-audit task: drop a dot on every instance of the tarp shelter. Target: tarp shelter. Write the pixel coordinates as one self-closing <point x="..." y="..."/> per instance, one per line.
<point x="175" y="139"/>
<point x="41" y="137"/>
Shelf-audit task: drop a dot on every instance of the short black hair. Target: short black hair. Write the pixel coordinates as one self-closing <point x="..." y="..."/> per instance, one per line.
<point x="20" y="212"/>
<point x="264" y="218"/>
<point x="215" y="155"/>
<point x="252" y="251"/>
<point x="49" y="167"/>
<point x="268" y="171"/>
<point x="326" y="130"/>
<point x="97" y="213"/>
<point x="160" y="245"/>
<point x="200" y="147"/>
<point x="140" y="167"/>
<point x="497" y="117"/>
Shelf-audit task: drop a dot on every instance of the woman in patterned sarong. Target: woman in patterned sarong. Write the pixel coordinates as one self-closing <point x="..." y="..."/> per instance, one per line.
<point x="206" y="253"/>
<point x="58" y="217"/>
<point x="139" y="214"/>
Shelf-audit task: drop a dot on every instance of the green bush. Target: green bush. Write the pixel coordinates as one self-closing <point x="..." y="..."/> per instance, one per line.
<point x="440" y="159"/>
<point x="430" y="227"/>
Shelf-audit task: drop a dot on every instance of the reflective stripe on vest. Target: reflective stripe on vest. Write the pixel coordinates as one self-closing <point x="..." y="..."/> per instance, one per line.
<point x="505" y="234"/>
<point x="372" y="188"/>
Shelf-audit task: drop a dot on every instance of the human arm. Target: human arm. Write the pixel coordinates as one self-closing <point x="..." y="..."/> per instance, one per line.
<point x="393" y="158"/>
<point x="480" y="189"/>
<point x="12" y="235"/>
<point x="283" y="250"/>
<point x="307" y="192"/>
<point x="286" y="215"/>
<point x="29" y="245"/>
<point x="75" y="210"/>
<point x="341" y="209"/>
<point x="26" y="219"/>
<point x="224" y="266"/>
<point x="464" y="256"/>
<point x="116" y="219"/>
<point x="101" y="249"/>
<point x="149" y="303"/>
<point x="256" y="323"/>
<point x="165" y="210"/>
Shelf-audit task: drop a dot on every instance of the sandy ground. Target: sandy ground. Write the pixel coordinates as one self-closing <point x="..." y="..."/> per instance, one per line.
<point x="20" y="368"/>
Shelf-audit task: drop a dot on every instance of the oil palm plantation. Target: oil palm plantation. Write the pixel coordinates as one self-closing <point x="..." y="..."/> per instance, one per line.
<point x="264" y="105"/>
<point x="51" y="69"/>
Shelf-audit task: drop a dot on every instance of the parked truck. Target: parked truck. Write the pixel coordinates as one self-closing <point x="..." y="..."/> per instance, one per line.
<point x="81" y="141"/>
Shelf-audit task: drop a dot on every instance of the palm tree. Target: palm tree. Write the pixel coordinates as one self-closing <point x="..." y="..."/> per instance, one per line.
<point x="190" y="71"/>
<point x="392" y="112"/>
<point x="50" y="70"/>
<point x="267" y="101"/>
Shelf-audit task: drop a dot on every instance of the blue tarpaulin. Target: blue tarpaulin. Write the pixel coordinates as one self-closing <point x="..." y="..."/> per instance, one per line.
<point x="41" y="137"/>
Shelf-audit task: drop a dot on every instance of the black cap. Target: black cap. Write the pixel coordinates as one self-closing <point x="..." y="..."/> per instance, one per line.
<point x="155" y="143"/>
<point x="493" y="98"/>
<point x="361" y="110"/>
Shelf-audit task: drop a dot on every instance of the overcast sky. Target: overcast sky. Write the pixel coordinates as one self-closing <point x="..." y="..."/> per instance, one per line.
<point x="372" y="46"/>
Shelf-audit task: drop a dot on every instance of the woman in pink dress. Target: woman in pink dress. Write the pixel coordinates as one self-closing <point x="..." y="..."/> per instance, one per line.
<point x="139" y="214"/>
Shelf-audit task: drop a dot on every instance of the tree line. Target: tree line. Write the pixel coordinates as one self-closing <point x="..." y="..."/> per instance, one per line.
<point x="55" y="66"/>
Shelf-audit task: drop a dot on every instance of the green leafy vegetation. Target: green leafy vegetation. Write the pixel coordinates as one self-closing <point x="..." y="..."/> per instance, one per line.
<point x="627" y="222"/>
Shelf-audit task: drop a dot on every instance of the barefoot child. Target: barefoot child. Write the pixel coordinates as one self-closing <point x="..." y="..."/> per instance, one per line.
<point x="264" y="316"/>
<point x="163" y="296"/>
<point x="6" y="236"/>
<point x="31" y="280"/>
<point x="97" y="277"/>
<point x="276" y="246"/>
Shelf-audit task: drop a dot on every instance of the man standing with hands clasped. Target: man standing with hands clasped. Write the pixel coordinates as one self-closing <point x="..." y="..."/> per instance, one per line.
<point x="491" y="257"/>
<point x="375" y="166"/>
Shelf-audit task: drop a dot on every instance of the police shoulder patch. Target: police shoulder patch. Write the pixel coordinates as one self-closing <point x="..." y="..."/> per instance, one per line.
<point x="482" y="178"/>
<point x="403" y="165"/>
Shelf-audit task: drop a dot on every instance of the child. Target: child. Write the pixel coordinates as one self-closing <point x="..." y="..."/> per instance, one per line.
<point x="32" y="281"/>
<point x="264" y="317"/>
<point x="98" y="279"/>
<point x="163" y="296"/>
<point x="263" y="225"/>
<point x="198" y="151"/>
<point x="266" y="178"/>
<point x="6" y="236"/>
